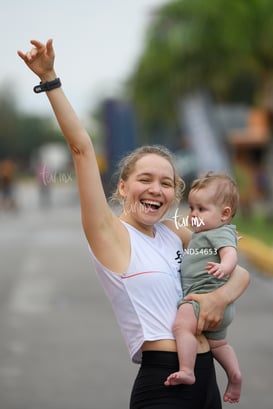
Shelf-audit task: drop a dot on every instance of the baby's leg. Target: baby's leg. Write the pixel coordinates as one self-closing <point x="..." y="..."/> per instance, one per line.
<point x="184" y="329"/>
<point x="227" y="358"/>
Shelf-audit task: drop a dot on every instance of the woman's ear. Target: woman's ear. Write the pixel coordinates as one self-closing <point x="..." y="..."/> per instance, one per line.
<point x="122" y="189"/>
<point x="226" y="213"/>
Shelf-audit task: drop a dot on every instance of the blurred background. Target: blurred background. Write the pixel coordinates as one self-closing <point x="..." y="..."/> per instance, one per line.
<point x="194" y="75"/>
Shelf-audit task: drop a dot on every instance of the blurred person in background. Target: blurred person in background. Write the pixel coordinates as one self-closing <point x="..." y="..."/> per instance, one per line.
<point x="7" y="179"/>
<point x="137" y="256"/>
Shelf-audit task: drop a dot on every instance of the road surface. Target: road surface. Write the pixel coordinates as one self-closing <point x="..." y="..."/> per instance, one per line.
<point x="60" y="347"/>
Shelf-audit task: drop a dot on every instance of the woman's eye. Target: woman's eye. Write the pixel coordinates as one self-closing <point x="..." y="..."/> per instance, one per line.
<point x="167" y="183"/>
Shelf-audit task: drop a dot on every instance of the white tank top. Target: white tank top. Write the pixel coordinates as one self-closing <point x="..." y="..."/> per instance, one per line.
<point x="144" y="298"/>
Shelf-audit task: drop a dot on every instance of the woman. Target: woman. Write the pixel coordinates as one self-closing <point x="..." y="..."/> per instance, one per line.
<point x="137" y="257"/>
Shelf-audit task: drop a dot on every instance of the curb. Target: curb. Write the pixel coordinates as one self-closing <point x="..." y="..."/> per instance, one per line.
<point x="258" y="253"/>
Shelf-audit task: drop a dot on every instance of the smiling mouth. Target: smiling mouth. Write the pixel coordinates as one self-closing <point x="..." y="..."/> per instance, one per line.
<point x="151" y="204"/>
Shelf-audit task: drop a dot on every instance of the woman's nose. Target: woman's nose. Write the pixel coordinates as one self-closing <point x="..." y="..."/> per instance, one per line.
<point x="155" y="187"/>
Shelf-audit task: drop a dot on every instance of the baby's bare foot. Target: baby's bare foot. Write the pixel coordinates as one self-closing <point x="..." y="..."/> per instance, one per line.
<point x="233" y="391"/>
<point x="179" y="377"/>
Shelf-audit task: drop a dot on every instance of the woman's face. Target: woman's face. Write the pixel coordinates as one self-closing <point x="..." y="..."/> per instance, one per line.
<point x="149" y="191"/>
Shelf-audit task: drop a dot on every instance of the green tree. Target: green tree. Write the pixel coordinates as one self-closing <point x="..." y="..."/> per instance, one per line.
<point x="21" y="133"/>
<point x="8" y="117"/>
<point x="221" y="45"/>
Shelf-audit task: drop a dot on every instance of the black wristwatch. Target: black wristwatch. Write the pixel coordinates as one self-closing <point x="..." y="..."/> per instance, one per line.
<point x="47" y="86"/>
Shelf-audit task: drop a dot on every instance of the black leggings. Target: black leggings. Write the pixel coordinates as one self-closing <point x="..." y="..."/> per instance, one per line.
<point x="149" y="391"/>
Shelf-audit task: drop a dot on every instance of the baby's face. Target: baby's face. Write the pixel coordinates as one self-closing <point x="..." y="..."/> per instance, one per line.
<point x="204" y="213"/>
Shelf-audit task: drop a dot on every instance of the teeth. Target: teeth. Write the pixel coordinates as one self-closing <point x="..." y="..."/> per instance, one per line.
<point x="150" y="203"/>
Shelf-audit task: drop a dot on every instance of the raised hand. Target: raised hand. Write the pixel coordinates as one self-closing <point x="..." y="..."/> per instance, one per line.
<point x="40" y="59"/>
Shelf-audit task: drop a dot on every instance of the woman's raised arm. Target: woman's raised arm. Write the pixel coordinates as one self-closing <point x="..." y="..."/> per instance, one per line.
<point x="101" y="226"/>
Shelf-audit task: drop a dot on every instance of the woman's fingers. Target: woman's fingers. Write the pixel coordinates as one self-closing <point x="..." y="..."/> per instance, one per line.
<point x="21" y="54"/>
<point x="37" y="49"/>
<point x="37" y="44"/>
<point x="49" y="48"/>
<point x="29" y="55"/>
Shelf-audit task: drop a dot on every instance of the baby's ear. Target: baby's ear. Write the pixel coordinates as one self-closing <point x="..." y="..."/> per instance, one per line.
<point x="226" y="213"/>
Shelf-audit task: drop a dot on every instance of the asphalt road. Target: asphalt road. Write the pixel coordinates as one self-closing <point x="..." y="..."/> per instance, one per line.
<point x="60" y="347"/>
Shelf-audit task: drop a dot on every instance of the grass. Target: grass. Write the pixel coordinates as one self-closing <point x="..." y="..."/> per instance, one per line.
<point x="256" y="226"/>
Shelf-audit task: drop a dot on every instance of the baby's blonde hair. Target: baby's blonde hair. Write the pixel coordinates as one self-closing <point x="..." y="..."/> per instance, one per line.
<point x="226" y="192"/>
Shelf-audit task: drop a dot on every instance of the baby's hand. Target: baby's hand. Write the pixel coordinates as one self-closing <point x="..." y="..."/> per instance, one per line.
<point x="216" y="269"/>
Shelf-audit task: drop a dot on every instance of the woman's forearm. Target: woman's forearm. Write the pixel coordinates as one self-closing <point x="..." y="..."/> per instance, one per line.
<point x="238" y="282"/>
<point x="40" y="60"/>
<point x="71" y="127"/>
<point x="213" y="304"/>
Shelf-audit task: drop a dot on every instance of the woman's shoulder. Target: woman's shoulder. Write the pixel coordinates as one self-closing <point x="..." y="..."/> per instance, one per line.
<point x="181" y="231"/>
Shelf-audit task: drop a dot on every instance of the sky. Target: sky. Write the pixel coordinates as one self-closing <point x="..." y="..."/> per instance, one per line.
<point x="97" y="44"/>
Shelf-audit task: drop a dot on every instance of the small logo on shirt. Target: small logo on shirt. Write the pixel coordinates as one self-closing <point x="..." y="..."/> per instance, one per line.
<point x="179" y="257"/>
